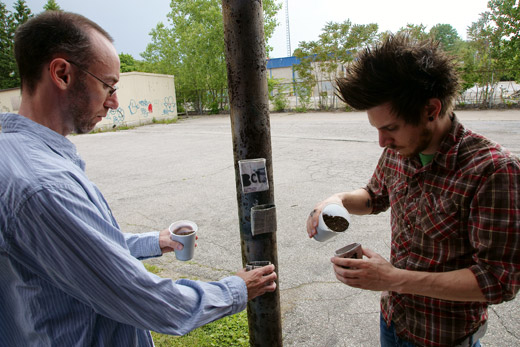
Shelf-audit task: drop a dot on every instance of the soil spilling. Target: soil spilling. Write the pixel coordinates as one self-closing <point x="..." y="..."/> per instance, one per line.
<point x="336" y="223"/>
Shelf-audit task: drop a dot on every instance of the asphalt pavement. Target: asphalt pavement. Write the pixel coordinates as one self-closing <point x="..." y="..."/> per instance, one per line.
<point x="156" y="174"/>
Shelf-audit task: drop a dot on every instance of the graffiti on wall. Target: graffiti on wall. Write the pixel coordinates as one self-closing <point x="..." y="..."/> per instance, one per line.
<point x="116" y="116"/>
<point x="142" y="107"/>
<point x="145" y="108"/>
<point x="169" y="105"/>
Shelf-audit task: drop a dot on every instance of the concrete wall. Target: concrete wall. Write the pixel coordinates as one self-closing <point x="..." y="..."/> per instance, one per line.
<point x="142" y="97"/>
<point x="283" y="73"/>
<point x="9" y="100"/>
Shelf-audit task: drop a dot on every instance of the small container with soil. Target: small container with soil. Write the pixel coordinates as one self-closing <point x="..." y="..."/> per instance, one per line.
<point x="334" y="219"/>
<point x="336" y="223"/>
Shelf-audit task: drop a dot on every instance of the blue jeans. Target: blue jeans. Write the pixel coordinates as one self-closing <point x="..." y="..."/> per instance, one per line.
<point x="389" y="338"/>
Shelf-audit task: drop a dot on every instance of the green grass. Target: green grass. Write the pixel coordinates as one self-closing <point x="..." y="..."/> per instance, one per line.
<point x="152" y="268"/>
<point x="229" y="331"/>
<point x="164" y="120"/>
<point x="113" y="129"/>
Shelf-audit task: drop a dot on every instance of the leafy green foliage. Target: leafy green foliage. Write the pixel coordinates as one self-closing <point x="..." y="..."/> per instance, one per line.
<point x="417" y="32"/>
<point x="129" y="63"/>
<point x="278" y="94"/>
<point x="228" y="331"/>
<point x="9" y="77"/>
<point x="7" y="67"/>
<point x="52" y="5"/>
<point x="447" y="35"/>
<point x="491" y="53"/>
<point x="22" y="12"/>
<point x="192" y="49"/>
<point x="322" y="60"/>
<point x="504" y="15"/>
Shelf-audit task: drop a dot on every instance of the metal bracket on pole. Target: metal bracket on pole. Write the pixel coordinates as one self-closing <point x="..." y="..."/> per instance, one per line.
<point x="263" y="219"/>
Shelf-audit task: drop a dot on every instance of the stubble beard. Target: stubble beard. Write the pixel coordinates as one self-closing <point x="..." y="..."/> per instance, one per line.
<point x="424" y="140"/>
<point x="79" y="109"/>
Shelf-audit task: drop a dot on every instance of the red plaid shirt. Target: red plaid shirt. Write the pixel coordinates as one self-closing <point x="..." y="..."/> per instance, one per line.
<point x="462" y="210"/>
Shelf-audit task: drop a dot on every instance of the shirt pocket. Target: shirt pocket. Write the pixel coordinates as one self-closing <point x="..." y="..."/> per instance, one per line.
<point x="440" y="217"/>
<point x="397" y="194"/>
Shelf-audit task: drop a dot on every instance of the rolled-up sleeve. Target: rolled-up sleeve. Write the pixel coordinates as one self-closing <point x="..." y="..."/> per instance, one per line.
<point x="494" y="226"/>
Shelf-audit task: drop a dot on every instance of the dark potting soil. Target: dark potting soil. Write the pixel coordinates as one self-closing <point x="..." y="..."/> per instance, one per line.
<point x="336" y="223"/>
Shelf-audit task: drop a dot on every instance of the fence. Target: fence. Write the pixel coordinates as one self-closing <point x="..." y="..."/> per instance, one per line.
<point x="499" y="95"/>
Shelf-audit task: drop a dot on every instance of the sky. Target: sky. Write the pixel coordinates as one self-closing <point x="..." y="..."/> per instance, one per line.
<point x="130" y="21"/>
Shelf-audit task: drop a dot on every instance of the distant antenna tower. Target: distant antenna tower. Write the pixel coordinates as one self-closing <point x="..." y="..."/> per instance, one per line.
<point x="287" y="31"/>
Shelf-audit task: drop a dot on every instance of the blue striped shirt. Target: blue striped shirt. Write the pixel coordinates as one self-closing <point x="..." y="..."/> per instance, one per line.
<point x="68" y="275"/>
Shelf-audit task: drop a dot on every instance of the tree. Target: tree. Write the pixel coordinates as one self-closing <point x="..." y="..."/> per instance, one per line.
<point x="417" y="32"/>
<point x="479" y="59"/>
<point x="192" y="49"/>
<point x="447" y="35"/>
<point x="505" y="34"/>
<point x="129" y="63"/>
<point x="321" y="61"/>
<point x="7" y="62"/>
<point x="277" y="93"/>
<point x="52" y="5"/>
<point x="22" y="13"/>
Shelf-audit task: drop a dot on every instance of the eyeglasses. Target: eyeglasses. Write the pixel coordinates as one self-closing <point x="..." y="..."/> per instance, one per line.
<point x="111" y="89"/>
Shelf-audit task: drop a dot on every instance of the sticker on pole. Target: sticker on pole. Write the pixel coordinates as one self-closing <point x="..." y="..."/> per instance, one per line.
<point x="253" y="175"/>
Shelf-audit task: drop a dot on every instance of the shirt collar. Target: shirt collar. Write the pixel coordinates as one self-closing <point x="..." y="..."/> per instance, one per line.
<point x="446" y="155"/>
<point x="15" y="123"/>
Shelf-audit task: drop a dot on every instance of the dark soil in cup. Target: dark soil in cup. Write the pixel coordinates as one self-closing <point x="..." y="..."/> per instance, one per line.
<point x="336" y="223"/>
<point x="183" y="231"/>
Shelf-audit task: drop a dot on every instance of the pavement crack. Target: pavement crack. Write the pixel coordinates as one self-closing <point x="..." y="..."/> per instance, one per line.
<point x="501" y="322"/>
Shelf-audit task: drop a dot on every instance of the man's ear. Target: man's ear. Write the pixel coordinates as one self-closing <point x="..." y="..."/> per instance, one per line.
<point x="60" y="73"/>
<point x="433" y="109"/>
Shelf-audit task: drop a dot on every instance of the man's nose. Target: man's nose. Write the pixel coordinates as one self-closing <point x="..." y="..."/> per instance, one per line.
<point x="383" y="139"/>
<point x="112" y="102"/>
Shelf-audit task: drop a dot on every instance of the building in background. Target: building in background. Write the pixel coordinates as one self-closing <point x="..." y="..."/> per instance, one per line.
<point x="322" y="93"/>
<point x="142" y="98"/>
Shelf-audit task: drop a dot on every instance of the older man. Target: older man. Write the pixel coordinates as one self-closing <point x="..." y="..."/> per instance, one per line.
<point x="68" y="275"/>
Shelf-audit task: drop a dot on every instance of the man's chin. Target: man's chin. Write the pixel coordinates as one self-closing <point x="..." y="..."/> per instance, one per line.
<point x="405" y="154"/>
<point x="408" y="155"/>
<point x="85" y="129"/>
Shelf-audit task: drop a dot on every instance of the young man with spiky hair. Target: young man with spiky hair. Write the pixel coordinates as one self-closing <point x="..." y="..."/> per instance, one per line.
<point x="453" y="196"/>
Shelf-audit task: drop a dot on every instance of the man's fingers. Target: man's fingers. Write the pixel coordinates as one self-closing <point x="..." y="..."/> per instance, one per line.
<point x="312" y="223"/>
<point x="265" y="270"/>
<point x="270" y="277"/>
<point x="368" y="252"/>
<point x="271" y="287"/>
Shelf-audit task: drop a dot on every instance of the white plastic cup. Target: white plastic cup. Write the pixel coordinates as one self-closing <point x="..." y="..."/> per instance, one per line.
<point x="324" y="232"/>
<point x="185" y="232"/>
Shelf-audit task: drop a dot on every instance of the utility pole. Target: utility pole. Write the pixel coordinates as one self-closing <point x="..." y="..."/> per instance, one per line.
<point x="251" y="131"/>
